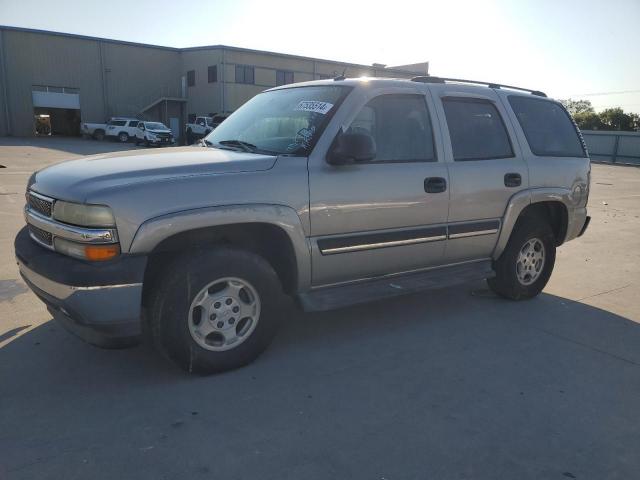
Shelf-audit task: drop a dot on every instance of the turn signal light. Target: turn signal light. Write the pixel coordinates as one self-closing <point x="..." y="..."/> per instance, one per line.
<point x="98" y="253"/>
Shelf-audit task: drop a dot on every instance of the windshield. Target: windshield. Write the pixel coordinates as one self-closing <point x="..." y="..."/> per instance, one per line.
<point x="286" y="121"/>
<point x="155" y="126"/>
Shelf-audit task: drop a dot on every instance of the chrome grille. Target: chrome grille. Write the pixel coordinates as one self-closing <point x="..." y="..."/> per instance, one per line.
<point x="40" y="235"/>
<point x="40" y="205"/>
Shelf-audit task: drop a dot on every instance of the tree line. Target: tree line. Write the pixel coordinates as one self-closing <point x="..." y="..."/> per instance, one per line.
<point x="610" y="119"/>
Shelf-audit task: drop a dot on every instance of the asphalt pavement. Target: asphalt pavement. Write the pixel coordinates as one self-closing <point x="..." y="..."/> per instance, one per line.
<point x="447" y="384"/>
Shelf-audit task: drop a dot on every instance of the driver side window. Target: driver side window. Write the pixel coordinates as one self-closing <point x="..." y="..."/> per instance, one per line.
<point x="400" y="126"/>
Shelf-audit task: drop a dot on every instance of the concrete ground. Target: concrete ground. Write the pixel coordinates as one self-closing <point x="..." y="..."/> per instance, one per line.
<point x="451" y="384"/>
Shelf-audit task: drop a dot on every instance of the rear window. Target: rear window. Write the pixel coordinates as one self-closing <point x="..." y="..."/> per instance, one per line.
<point x="476" y="130"/>
<point x="548" y="127"/>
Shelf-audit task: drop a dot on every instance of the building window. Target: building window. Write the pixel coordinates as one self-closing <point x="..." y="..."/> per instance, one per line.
<point x="245" y="74"/>
<point x="283" y="78"/>
<point x="212" y="72"/>
<point x="191" y="78"/>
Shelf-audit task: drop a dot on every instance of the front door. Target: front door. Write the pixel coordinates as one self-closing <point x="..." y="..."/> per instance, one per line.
<point x="486" y="168"/>
<point x="387" y="215"/>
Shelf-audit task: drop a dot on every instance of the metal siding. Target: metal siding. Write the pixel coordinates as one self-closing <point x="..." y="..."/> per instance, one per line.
<point x="39" y="59"/>
<point x="136" y="76"/>
<point x="4" y="112"/>
<point x="121" y="78"/>
<point x="204" y="97"/>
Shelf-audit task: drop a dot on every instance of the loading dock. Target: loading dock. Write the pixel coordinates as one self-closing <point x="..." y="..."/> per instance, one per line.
<point x="56" y="110"/>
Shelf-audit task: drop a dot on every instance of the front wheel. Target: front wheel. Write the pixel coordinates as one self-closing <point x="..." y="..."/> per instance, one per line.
<point x="123" y="137"/>
<point x="216" y="310"/>
<point x="525" y="266"/>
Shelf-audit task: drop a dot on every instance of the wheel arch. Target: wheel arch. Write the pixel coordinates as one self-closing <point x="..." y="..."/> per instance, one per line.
<point x="274" y="232"/>
<point x="551" y="203"/>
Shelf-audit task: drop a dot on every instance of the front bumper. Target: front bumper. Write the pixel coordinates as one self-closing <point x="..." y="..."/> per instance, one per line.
<point x="100" y="302"/>
<point x="162" y="141"/>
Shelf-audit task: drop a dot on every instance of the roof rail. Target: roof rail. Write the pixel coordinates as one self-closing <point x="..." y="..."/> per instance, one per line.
<point x="430" y="79"/>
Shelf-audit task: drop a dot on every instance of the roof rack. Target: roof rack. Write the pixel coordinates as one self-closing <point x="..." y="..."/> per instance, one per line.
<point x="430" y="79"/>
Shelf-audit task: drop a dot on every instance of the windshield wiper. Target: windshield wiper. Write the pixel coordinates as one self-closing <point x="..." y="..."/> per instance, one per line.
<point x="247" y="147"/>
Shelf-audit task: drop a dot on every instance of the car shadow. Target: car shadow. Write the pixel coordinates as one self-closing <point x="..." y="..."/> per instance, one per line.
<point x="454" y="383"/>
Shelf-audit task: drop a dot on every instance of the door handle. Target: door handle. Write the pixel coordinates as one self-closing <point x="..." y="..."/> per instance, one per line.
<point x="512" y="180"/>
<point x="435" y="184"/>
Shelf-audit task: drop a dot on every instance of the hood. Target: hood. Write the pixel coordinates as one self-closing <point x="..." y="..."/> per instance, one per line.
<point x="75" y="180"/>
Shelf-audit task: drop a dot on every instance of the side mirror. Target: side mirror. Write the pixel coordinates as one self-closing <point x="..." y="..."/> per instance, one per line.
<point x="350" y="148"/>
<point x="141" y="127"/>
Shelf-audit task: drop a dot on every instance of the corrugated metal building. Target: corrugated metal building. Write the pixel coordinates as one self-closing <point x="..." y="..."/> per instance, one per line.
<point x="77" y="78"/>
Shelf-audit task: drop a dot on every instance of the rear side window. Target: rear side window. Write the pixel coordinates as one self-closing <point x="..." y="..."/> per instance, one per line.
<point x="400" y="126"/>
<point x="118" y="123"/>
<point x="476" y="130"/>
<point x="548" y="127"/>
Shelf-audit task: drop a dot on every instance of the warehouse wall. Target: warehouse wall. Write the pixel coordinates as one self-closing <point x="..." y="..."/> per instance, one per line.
<point x="204" y="97"/>
<point x="4" y="114"/>
<point x="120" y="78"/>
<point x="135" y="76"/>
<point x="39" y="59"/>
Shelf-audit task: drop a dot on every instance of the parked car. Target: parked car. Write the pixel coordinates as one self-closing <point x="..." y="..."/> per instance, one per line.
<point x="122" y="129"/>
<point x="93" y="130"/>
<point x="199" y="128"/>
<point x="332" y="192"/>
<point x="153" y="133"/>
<point x="202" y="126"/>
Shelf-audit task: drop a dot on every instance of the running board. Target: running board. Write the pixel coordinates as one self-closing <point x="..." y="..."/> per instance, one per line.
<point x="338" y="296"/>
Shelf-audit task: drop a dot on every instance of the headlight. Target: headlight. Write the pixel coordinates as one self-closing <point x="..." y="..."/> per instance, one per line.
<point x="83" y="215"/>
<point x="83" y="251"/>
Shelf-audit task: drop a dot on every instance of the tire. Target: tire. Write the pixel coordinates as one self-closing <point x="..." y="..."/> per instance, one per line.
<point x="98" y="134"/>
<point x="532" y="237"/>
<point x="189" y="137"/>
<point x="146" y="143"/>
<point x="175" y="322"/>
<point x="123" y="137"/>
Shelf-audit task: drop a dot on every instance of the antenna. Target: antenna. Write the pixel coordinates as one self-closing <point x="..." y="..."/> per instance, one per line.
<point x="341" y="76"/>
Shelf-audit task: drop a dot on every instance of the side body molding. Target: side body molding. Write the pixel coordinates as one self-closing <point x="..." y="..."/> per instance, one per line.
<point x="155" y="230"/>
<point x="520" y="201"/>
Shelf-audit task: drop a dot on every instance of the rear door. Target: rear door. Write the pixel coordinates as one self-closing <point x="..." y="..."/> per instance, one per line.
<point x="486" y="167"/>
<point x="376" y="218"/>
<point x="132" y="127"/>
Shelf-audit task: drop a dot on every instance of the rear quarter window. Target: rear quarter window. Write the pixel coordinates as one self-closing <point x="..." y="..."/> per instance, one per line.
<point x="549" y="129"/>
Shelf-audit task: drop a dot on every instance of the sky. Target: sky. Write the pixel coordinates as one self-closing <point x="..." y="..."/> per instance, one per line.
<point x="579" y="49"/>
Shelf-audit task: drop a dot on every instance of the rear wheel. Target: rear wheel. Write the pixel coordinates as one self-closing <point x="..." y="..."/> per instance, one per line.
<point x="98" y="134"/>
<point x="525" y="266"/>
<point x="216" y="311"/>
<point x="123" y="137"/>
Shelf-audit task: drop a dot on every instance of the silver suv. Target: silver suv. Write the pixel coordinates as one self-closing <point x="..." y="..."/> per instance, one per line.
<point x="334" y="192"/>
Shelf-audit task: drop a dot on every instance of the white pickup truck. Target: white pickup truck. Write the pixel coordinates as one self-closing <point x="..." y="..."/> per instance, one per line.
<point x="120" y="128"/>
<point x="93" y="130"/>
<point x="202" y="126"/>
